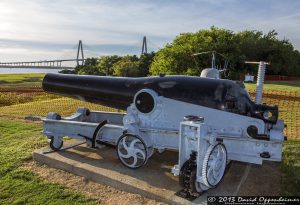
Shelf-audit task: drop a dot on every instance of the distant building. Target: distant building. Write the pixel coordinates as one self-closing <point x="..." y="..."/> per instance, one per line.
<point x="249" y="78"/>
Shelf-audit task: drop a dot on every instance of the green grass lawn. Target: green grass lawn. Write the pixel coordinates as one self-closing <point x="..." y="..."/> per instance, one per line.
<point x="20" y="186"/>
<point x="290" y="167"/>
<point x="63" y="106"/>
<point x="22" y="88"/>
<point x="31" y="78"/>
<point x="277" y="86"/>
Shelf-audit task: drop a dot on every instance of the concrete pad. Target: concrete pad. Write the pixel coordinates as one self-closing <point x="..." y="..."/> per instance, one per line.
<point x="154" y="180"/>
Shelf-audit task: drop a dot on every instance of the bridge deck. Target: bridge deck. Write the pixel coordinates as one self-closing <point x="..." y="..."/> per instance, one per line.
<point x="37" y="67"/>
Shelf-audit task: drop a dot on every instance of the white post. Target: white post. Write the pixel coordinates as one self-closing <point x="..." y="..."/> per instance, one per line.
<point x="260" y="79"/>
<point x="260" y="82"/>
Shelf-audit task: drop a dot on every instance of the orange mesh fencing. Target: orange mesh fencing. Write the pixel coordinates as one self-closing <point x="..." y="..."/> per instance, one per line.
<point x="288" y="103"/>
<point x="18" y="102"/>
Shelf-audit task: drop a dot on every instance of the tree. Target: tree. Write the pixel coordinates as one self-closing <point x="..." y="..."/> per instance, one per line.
<point x="132" y="66"/>
<point x="106" y="63"/>
<point x="176" y="57"/>
<point x="145" y="61"/>
<point x="128" y="66"/>
<point x="90" y="67"/>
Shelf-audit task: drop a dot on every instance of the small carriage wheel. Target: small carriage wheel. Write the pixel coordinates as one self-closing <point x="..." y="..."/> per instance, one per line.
<point x="56" y="143"/>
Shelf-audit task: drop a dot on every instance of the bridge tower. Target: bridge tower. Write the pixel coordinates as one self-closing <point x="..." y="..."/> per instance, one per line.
<point x="144" y="46"/>
<point x="80" y="51"/>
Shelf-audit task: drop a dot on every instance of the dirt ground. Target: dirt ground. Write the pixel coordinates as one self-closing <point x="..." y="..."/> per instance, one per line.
<point x="260" y="180"/>
<point x="102" y="193"/>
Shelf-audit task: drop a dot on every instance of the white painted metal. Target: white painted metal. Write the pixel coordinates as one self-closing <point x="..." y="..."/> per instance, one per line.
<point x="159" y="128"/>
<point x="210" y="73"/>
<point x="132" y="151"/>
<point x="164" y="128"/>
<point x="56" y="143"/>
<point x="260" y="79"/>
<point x="260" y="82"/>
<point x="249" y="78"/>
<point x="214" y="164"/>
<point x="211" y="155"/>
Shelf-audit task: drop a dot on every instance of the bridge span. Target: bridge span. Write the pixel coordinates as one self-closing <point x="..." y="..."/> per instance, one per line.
<point x="48" y="64"/>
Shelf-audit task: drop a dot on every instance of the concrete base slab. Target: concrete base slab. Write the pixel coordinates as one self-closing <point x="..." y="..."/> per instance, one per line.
<point x="154" y="180"/>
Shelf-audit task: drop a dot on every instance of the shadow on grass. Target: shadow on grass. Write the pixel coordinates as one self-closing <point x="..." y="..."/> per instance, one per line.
<point x="290" y="167"/>
<point x="26" y="79"/>
<point x="289" y="83"/>
<point x="4" y="82"/>
<point x="287" y="96"/>
<point x="32" y="79"/>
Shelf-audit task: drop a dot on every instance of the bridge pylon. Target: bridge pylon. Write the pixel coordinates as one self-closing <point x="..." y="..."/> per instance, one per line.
<point x="144" y="46"/>
<point x="80" y="51"/>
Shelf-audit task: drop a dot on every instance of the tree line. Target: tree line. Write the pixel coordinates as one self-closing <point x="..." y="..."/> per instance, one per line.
<point x="114" y="65"/>
<point x="177" y="57"/>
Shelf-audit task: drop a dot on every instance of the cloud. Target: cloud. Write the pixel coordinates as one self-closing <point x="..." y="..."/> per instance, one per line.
<point x="117" y="27"/>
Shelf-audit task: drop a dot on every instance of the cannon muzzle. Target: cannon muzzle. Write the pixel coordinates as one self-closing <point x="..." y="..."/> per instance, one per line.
<point x="114" y="92"/>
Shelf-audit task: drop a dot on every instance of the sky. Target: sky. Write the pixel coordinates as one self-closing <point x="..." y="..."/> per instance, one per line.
<point x="50" y="29"/>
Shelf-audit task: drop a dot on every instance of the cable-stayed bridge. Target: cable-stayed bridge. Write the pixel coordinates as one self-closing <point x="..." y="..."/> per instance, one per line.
<point x="64" y="63"/>
<point x="48" y="64"/>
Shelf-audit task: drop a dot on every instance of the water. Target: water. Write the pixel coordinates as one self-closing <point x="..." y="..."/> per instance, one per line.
<point x="27" y="70"/>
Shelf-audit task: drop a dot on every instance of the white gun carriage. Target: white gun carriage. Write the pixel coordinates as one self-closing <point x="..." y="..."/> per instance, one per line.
<point x="208" y="121"/>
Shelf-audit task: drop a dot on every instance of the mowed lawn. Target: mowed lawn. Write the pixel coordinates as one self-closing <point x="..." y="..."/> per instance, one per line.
<point x="20" y="186"/>
<point x="18" y="139"/>
<point x="32" y="78"/>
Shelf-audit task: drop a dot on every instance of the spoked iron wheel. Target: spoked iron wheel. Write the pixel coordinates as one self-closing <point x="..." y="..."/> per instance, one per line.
<point x="214" y="165"/>
<point x="132" y="151"/>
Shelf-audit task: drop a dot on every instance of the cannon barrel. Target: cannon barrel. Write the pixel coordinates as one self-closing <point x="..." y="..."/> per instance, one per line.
<point x="119" y="92"/>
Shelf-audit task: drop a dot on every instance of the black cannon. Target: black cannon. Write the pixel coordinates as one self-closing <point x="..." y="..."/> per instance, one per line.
<point x="119" y="92"/>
